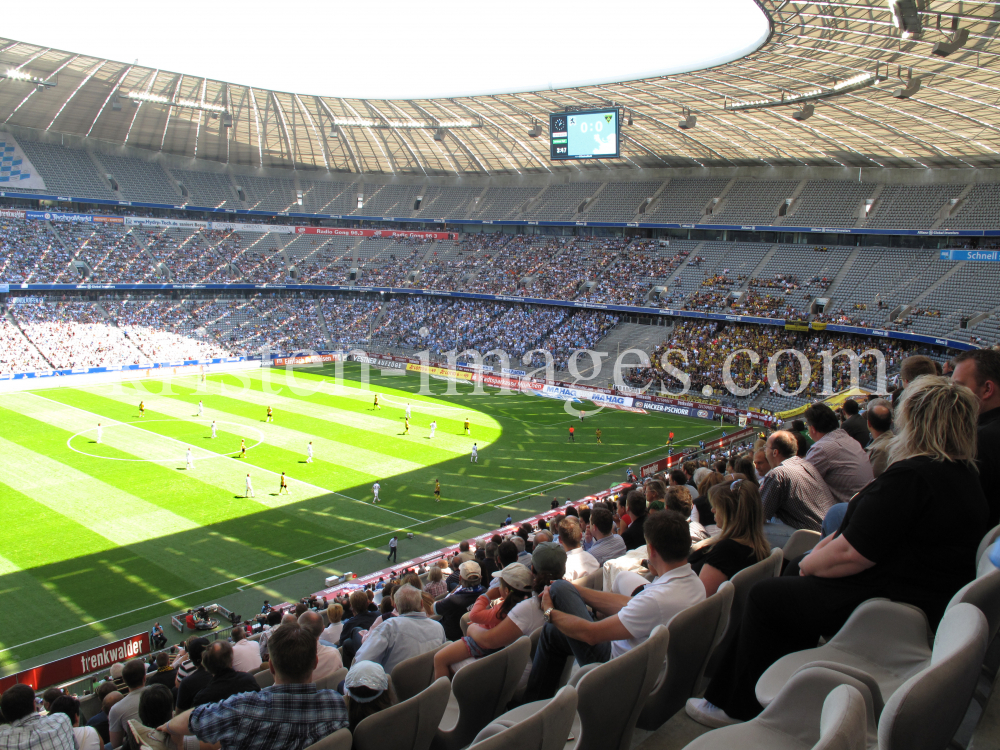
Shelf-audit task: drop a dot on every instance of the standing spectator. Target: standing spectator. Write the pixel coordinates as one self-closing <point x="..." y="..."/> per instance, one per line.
<point x="579" y="562"/>
<point x="459" y="601"/>
<point x="979" y="370"/>
<point x="328" y="659"/>
<point x="246" y="654"/>
<point x="794" y="494"/>
<point x="879" y="416"/>
<point x="134" y="675"/>
<point x="226" y="681"/>
<point x="87" y="738"/>
<point x="606" y="544"/>
<point x="29" y="730"/>
<point x="570" y="629"/>
<point x="838" y="457"/>
<point x="410" y="633"/>
<point x="291" y="714"/>
<point x="165" y="674"/>
<point x="854" y="424"/>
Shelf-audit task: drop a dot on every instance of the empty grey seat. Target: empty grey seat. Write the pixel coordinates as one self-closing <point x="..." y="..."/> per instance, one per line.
<point x="547" y="729"/>
<point x="339" y="740"/>
<point x="409" y="725"/>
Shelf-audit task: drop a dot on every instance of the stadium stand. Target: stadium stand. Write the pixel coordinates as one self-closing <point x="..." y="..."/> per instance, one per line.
<point x="67" y="171"/>
<point x="140" y="180"/>
<point x="830" y="204"/>
<point x="752" y="202"/>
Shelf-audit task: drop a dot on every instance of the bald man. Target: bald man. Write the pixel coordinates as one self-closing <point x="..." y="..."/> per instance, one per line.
<point x="879" y="416"/>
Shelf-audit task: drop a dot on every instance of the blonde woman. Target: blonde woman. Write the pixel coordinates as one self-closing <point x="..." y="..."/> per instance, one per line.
<point x="896" y="541"/>
<point x="331" y="634"/>
<point x="740" y="543"/>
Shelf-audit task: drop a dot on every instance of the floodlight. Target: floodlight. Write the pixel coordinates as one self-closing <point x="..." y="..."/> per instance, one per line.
<point x="116" y="104"/>
<point x="439" y="134"/>
<point x="536" y="130"/>
<point x="906" y="17"/>
<point x="805" y="113"/>
<point x="912" y="87"/>
<point x="955" y="42"/>
<point x="227" y="120"/>
<point x="689" y="121"/>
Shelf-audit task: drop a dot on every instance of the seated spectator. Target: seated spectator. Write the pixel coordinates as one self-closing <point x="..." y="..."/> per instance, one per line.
<point x="50" y="696"/>
<point x="246" y="654"/>
<point x="291" y="714"/>
<point x="435" y="586"/>
<point x="979" y="371"/>
<point x="679" y="501"/>
<point x="108" y="697"/>
<point x="854" y="424"/>
<point x="606" y="544"/>
<point x="328" y="659"/>
<point x="362" y="619"/>
<point x="226" y="681"/>
<point x="410" y="633"/>
<point x="760" y="464"/>
<point x="195" y="622"/>
<point x="367" y="691"/>
<point x="134" y="675"/>
<point x="116" y="677"/>
<point x="155" y="709"/>
<point x="459" y="601"/>
<point x="838" y="457"/>
<point x="463" y="552"/>
<point x="331" y="633"/>
<point x="633" y="535"/>
<point x="741" y="541"/>
<point x="87" y="738"/>
<point x="191" y="685"/>
<point x="454" y="578"/>
<point x="165" y="674"/>
<point x="515" y="583"/>
<point x="523" y="556"/>
<point x="486" y="556"/>
<point x="804" y="442"/>
<point x="794" y="494"/>
<point x="157" y="637"/>
<point x="272" y="621"/>
<point x="571" y="631"/>
<point x="879" y="419"/>
<point x="889" y="545"/>
<point x="23" y="728"/>
<point x="579" y="562"/>
<point x="506" y="554"/>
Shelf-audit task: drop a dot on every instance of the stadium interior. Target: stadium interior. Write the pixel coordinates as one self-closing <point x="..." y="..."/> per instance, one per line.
<point x="836" y="189"/>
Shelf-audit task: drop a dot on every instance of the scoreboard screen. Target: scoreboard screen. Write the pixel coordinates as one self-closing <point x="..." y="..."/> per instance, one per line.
<point x="592" y="134"/>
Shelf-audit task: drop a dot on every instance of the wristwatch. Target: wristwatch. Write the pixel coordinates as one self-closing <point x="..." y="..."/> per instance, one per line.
<point x="547" y="614"/>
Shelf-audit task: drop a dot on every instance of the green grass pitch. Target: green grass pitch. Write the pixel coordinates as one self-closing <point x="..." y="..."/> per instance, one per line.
<point x="96" y="537"/>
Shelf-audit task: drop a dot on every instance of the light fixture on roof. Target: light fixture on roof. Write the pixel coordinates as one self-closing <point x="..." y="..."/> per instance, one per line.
<point x="689" y="121"/>
<point x="854" y="83"/>
<point x="906" y="18"/>
<point x="535" y="130"/>
<point x="227" y="120"/>
<point x="16" y="74"/>
<point x="629" y="120"/>
<point x="116" y="104"/>
<point x="805" y="113"/>
<point x="143" y="96"/>
<point x="912" y="86"/>
<point x="955" y="42"/>
<point x="439" y="134"/>
<point x="361" y="122"/>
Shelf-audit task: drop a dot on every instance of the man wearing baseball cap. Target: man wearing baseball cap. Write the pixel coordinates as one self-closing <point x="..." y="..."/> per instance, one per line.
<point x="571" y="631"/>
<point x="458" y="602"/>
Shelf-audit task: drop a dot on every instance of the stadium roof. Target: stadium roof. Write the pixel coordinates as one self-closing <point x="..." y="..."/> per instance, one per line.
<point x="869" y="79"/>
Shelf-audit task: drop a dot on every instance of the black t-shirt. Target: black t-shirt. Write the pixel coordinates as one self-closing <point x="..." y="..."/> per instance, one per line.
<point x="453" y="606"/>
<point x="988" y="459"/>
<point x="190" y="686"/>
<point x="226" y="683"/>
<point x="727" y="556"/>
<point x="920" y="522"/>
<point x="632" y="536"/>
<point x="706" y="516"/>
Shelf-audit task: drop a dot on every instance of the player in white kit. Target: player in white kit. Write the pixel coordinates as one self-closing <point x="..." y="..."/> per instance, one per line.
<point x="213" y="428"/>
<point x="190" y="460"/>
<point x="100" y="433"/>
<point x="375" y="489"/>
<point x="475" y="454"/>
<point x="434" y="426"/>
<point x="407" y="411"/>
<point x="249" y="492"/>
<point x="201" y="408"/>
<point x="309" y="452"/>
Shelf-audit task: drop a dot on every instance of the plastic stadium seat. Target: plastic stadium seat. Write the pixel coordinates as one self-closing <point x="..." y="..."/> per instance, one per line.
<point x="412" y="675"/>
<point x="547" y="729"/>
<point x="799" y="543"/>
<point x="482" y="690"/>
<point x="991" y="536"/>
<point x="264" y="678"/>
<point x="339" y="740"/>
<point x="409" y="725"/>
<point x="819" y="708"/>
<point x="330" y="682"/>
<point x="693" y="634"/>
<point x="926" y="691"/>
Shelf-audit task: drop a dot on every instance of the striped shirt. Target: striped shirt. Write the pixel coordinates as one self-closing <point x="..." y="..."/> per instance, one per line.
<point x="842" y="463"/>
<point x="289" y="717"/>
<point x="795" y="494"/>
<point x="36" y="732"/>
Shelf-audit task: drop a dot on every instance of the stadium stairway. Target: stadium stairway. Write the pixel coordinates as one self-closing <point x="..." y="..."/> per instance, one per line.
<point x="761" y="265"/>
<point x="844" y="269"/>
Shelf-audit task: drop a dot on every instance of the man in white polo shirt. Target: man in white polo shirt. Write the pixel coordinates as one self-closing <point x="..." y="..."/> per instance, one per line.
<point x="571" y="631"/>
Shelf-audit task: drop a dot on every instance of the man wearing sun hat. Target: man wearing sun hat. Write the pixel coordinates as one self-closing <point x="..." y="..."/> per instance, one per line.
<point x="458" y="602"/>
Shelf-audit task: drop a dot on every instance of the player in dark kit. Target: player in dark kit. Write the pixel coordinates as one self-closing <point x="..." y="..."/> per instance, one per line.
<point x="284" y="484"/>
<point x="437" y="490"/>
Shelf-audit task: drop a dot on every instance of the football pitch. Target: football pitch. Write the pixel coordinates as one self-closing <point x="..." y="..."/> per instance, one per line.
<point x="99" y="536"/>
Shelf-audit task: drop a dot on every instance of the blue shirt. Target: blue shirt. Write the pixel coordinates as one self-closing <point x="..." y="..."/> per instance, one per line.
<point x="289" y="717"/>
<point x="605" y="549"/>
